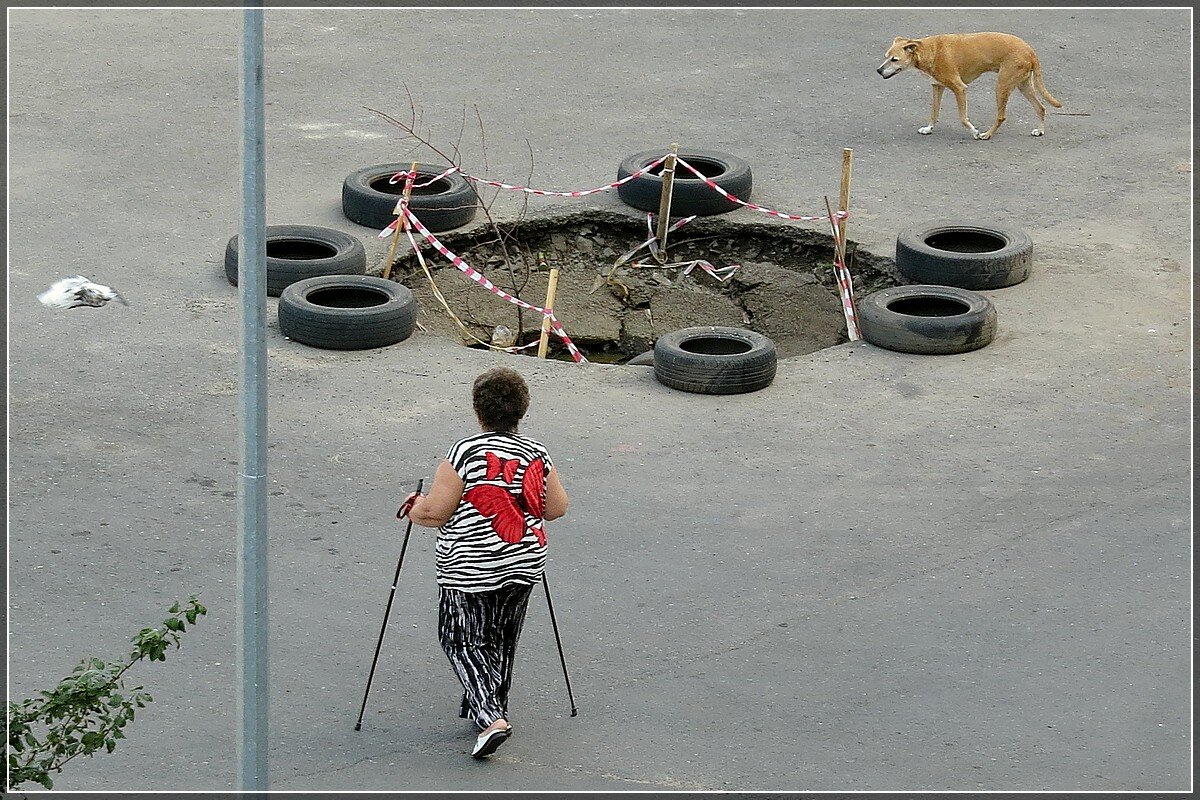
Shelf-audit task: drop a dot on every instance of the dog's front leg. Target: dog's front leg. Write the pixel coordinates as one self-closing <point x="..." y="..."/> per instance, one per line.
<point x="960" y="94"/>
<point x="933" y="114"/>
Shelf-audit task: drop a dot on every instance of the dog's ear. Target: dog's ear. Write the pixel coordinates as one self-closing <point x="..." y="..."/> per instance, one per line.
<point x="911" y="47"/>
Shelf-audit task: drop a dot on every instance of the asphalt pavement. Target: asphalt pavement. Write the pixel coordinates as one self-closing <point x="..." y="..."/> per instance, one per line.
<point x="882" y="572"/>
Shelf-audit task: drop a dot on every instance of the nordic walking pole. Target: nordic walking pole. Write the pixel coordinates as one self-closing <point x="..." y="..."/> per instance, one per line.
<point x="558" y="639"/>
<point x="387" y="611"/>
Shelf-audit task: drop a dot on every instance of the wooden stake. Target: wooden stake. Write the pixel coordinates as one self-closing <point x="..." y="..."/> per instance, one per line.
<point x="551" y="291"/>
<point x="664" y="202"/>
<point x="402" y="224"/>
<point x="844" y="199"/>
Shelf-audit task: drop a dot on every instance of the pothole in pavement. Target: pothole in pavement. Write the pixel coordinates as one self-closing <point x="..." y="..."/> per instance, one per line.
<point x="785" y="288"/>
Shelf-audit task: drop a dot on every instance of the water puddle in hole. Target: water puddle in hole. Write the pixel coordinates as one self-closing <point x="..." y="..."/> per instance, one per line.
<point x="785" y="288"/>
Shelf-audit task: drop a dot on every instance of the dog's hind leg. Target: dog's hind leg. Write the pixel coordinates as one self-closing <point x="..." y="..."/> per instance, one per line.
<point x="1006" y="81"/>
<point x="933" y="114"/>
<point x="1030" y="93"/>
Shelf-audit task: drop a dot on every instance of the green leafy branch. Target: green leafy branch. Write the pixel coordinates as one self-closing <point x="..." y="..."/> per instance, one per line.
<point x="88" y="709"/>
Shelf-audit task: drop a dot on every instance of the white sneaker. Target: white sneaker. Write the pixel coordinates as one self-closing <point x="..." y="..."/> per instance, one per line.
<point x="486" y="743"/>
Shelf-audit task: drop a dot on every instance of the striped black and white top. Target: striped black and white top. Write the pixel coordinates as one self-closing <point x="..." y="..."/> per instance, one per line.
<point x="495" y="537"/>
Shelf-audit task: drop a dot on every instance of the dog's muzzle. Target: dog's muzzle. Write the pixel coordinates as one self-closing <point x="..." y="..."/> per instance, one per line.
<point x="886" y="74"/>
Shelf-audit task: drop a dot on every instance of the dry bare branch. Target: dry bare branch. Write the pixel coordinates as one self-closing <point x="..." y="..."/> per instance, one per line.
<point x="412" y="131"/>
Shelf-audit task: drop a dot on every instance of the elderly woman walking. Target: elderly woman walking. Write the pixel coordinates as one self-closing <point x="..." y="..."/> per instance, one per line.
<point x="489" y="500"/>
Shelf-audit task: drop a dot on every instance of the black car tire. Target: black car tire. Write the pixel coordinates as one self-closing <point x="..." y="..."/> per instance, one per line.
<point x="714" y="360"/>
<point x="347" y="312"/>
<point x="296" y="252"/>
<point x="689" y="194"/>
<point x="964" y="255"/>
<point x="368" y="197"/>
<point x="927" y="320"/>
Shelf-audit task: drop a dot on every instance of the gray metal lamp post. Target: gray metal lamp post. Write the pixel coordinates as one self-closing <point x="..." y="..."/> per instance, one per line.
<point x="252" y="478"/>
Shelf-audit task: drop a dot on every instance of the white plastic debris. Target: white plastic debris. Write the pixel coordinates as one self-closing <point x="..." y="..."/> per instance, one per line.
<point x="78" y="291"/>
<point x="503" y="337"/>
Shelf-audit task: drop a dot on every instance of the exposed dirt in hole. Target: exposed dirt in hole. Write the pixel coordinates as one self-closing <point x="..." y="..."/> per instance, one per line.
<point x="785" y="288"/>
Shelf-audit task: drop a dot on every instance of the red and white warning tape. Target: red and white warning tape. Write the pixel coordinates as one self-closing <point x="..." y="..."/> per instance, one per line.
<point x="582" y="193"/>
<point x="441" y="298"/>
<point x="479" y="278"/>
<point x="408" y="178"/>
<point x="399" y="176"/>
<point x="752" y="206"/>
<point x="722" y="274"/>
<point x="845" y="288"/>
<point x="652" y="242"/>
<point x="390" y="229"/>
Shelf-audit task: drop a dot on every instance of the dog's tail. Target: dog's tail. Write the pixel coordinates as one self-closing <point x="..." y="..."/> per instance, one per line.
<point x="1041" y="87"/>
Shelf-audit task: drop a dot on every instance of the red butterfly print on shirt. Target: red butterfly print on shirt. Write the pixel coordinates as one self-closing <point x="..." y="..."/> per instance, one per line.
<point x="497" y="466"/>
<point x="504" y="510"/>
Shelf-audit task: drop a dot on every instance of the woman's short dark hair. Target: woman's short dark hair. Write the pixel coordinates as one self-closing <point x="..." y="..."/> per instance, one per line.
<point x="501" y="398"/>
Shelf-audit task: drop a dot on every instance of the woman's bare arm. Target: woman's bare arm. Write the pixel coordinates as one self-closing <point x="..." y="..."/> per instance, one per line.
<point x="556" y="496"/>
<point x="434" y="510"/>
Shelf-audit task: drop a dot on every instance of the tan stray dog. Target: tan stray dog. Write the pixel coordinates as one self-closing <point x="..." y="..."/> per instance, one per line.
<point x="953" y="60"/>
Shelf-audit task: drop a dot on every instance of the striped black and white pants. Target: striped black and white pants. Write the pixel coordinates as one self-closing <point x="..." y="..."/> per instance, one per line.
<point x="479" y="632"/>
